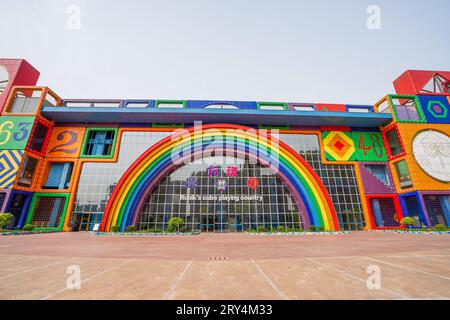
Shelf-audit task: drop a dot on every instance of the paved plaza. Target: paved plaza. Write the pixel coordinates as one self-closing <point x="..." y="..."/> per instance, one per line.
<point x="226" y="266"/>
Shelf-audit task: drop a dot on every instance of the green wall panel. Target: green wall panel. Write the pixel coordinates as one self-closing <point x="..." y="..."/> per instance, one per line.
<point x="15" y="131"/>
<point x="369" y="146"/>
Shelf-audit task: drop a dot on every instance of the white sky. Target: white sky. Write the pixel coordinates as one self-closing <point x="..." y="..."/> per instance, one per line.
<point x="293" y="51"/>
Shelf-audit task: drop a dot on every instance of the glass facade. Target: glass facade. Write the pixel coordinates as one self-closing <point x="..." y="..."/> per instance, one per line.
<point x="221" y="194"/>
<point x="97" y="182"/>
<point x="339" y="180"/>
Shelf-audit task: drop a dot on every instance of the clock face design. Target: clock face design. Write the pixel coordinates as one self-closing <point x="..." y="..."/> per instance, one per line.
<point x="431" y="150"/>
<point x="4" y="79"/>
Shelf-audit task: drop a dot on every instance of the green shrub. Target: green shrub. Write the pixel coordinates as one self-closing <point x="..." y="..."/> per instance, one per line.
<point x="320" y="229"/>
<point x="424" y="228"/>
<point x="261" y="229"/>
<point x="130" y="229"/>
<point x="439" y="227"/>
<point x="157" y="231"/>
<point x="28" y="227"/>
<point x="281" y="229"/>
<point x="115" y="228"/>
<point x="250" y="230"/>
<point x="312" y="228"/>
<point x="175" y="224"/>
<point x="291" y="230"/>
<point x="5" y="219"/>
<point x="408" y="222"/>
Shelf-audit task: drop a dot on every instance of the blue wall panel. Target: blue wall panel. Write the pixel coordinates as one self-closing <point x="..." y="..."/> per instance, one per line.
<point x="435" y="108"/>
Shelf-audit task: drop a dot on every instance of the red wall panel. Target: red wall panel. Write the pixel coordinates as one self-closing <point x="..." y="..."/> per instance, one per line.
<point x="21" y="73"/>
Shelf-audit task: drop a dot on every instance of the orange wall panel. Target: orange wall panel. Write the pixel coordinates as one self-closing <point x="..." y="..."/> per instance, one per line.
<point x="65" y="142"/>
<point x="43" y="173"/>
<point x="421" y="180"/>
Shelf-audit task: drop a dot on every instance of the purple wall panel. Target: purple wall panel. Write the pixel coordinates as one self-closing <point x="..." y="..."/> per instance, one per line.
<point x="373" y="185"/>
<point x="8" y="193"/>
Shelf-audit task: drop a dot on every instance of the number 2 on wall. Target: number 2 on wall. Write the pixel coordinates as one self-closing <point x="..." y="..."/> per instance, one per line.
<point x="73" y="137"/>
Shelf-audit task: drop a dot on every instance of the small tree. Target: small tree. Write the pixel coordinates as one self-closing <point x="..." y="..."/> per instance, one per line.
<point x="174" y="224"/>
<point x="439" y="227"/>
<point x="28" y="227"/>
<point x="5" y="219"/>
<point x="408" y="222"/>
<point x="130" y="228"/>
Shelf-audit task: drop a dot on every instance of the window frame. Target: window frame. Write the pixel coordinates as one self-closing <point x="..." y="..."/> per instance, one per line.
<point x="414" y="99"/>
<point x="28" y="91"/>
<point x="34" y="199"/>
<point x="46" y="139"/>
<point x="397" y="206"/>
<point x="387" y="145"/>
<point x="386" y="172"/>
<point x="158" y="104"/>
<point x="48" y="167"/>
<point x="34" y="174"/>
<point x="397" y="175"/>
<point x="261" y="105"/>
<point x="86" y="141"/>
<point x="306" y="108"/>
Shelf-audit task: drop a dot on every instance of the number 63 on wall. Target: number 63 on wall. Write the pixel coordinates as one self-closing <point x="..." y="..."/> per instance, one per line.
<point x="14" y="132"/>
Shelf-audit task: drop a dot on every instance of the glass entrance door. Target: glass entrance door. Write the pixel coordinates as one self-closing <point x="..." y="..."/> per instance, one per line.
<point x="207" y="223"/>
<point x="232" y="226"/>
<point x="84" y="222"/>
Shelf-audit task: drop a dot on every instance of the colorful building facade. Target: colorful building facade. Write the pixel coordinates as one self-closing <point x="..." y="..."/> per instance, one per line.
<point x="223" y="166"/>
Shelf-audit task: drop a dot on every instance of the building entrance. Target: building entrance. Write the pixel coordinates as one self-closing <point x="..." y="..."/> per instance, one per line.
<point x="221" y="194"/>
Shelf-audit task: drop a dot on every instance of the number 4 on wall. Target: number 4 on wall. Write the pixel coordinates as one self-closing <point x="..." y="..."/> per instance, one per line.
<point x="370" y="146"/>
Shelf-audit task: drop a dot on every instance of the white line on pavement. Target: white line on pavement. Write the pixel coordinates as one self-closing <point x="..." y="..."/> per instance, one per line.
<point x="269" y="281"/>
<point x="345" y="273"/>
<point x="31" y="270"/>
<point x="169" y="294"/>
<point x="408" y="268"/>
<point x="90" y="278"/>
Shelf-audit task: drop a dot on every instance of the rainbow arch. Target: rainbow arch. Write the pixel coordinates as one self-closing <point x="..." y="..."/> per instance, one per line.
<point x="143" y="175"/>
